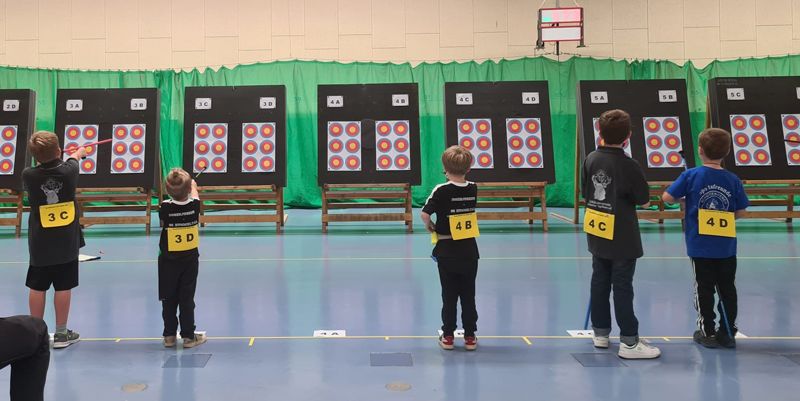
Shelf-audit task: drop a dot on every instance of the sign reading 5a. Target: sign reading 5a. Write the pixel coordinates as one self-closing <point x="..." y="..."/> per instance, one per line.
<point x="716" y="223"/>
<point x="463" y="226"/>
<point x="183" y="238"/>
<point x="599" y="224"/>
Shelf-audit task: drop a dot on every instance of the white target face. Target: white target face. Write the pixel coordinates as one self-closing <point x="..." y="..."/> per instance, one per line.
<point x="392" y="146"/>
<point x="791" y="136"/>
<point x="344" y="146"/>
<point x="127" y="148"/>
<point x="524" y="143"/>
<point x="598" y="142"/>
<point x="662" y="142"/>
<point x="475" y="135"/>
<point x="258" y="147"/>
<point x="76" y="136"/>
<point x="210" y="148"/>
<point x="8" y="148"/>
<point x="750" y="142"/>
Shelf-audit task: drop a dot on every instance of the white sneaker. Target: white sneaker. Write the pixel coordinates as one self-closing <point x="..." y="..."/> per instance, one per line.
<point x="639" y="350"/>
<point x="600" y="341"/>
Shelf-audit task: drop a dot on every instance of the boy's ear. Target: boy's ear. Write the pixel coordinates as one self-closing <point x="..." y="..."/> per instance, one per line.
<point x="700" y="151"/>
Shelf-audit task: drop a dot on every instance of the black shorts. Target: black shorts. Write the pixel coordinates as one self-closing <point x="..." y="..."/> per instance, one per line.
<point x="62" y="277"/>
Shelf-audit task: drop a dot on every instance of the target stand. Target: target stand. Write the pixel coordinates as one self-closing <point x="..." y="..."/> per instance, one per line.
<point x="763" y="117"/>
<point x="661" y="139"/>
<point x="123" y="175"/>
<point x="506" y="127"/>
<point x="368" y="151"/>
<point x="17" y="118"/>
<point x="237" y="137"/>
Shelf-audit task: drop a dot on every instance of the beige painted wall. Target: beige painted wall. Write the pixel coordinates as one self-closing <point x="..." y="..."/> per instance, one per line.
<point x="149" y="34"/>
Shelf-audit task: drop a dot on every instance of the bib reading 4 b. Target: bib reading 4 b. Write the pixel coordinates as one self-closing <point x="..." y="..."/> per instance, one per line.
<point x="463" y="226"/>
<point x="716" y="223"/>
<point x="183" y="238"/>
<point x="57" y="214"/>
<point x="599" y="224"/>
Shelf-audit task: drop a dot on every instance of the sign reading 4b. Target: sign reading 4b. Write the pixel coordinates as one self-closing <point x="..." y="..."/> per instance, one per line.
<point x="183" y="238"/>
<point x="599" y="224"/>
<point x="57" y="215"/>
<point x="463" y="226"/>
<point x="716" y="223"/>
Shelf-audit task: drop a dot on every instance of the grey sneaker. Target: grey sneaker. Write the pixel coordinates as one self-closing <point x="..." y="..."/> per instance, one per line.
<point x="600" y="342"/>
<point x="64" y="340"/>
<point x="704" y="340"/>
<point x="193" y="342"/>
<point x="640" y="350"/>
<point x="169" y="341"/>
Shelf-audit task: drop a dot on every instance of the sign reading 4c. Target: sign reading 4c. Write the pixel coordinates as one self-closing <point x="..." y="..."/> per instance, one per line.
<point x="599" y="224"/>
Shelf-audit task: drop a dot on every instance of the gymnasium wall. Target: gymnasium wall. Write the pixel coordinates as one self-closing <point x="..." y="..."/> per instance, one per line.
<point x="159" y="34"/>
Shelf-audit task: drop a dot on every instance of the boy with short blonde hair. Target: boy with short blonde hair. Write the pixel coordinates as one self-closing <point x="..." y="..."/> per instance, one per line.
<point x="457" y="259"/>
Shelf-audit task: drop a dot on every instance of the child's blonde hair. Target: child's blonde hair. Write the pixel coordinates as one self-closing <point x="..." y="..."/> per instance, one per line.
<point x="44" y="146"/>
<point x="179" y="184"/>
<point x="456" y="160"/>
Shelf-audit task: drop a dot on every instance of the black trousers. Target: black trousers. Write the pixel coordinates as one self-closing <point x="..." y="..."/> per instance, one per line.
<point x="457" y="277"/>
<point x="25" y="345"/>
<point x="177" y="282"/>
<point x="710" y="274"/>
<point x="616" y="274"/>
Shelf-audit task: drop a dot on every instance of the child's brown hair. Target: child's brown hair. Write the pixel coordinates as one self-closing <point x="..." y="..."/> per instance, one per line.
<point x="44" y="146"/>
<point x="179" y="184"/>
<point x="615" y="126"/>
<point x="715" y="142"/>
<point x="456" y="160"/>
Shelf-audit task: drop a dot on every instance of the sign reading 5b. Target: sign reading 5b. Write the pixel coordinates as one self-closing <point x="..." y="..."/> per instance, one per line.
<point x="463" y="226"/>
<point x="716" y="223"/>
<point x="599" y="224"/>
<point x="183" y="238"/>
<point x="57" y="215"/>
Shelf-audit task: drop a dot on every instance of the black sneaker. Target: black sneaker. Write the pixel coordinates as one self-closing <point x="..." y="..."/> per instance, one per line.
<point x="725" y="340"/>
<point x="64" y="340"/>
<point x="706" y="341"/>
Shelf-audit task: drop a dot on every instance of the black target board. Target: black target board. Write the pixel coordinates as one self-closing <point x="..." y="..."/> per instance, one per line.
<point x="236" y="135"/>
<point x="661" y="138"/>
<point x="368" y="134"/>
<point x="129" y="118"/>
<point x="17" y="119"/>
<point x="506" y="126"/>
<point x="763" y="116"/>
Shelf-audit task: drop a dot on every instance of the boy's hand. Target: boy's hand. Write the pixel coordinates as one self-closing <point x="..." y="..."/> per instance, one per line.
<point x="430" y="227"/>
<point x="79" y="154"/>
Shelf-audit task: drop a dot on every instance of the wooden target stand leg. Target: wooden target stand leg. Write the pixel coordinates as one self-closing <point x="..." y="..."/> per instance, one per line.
<point x="363" y="196"/>
<point x="242" y="198"/>
<point x="129" y="200"/>
<point x="15" y="198"/>
<point x="529" y="192"/>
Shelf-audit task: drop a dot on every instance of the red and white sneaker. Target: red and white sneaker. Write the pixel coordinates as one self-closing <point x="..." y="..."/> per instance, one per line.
<point x="471" y="343"/>
<point x="446" y="342"/>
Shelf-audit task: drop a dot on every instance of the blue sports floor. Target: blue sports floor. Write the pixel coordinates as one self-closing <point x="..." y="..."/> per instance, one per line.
<point x="261" y="296"/>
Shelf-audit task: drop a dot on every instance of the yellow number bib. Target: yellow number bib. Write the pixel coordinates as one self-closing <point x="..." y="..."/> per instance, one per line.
<point x="434" y="238"/>
<point x="598" y="224"/>
<point x="183" y="238"/>
<point x="57" y="215"/>
<point x="716" y="223"/>
<point x="463" y="226"/>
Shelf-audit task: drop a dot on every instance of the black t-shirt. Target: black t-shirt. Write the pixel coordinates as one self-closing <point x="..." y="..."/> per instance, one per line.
<point x="447" y="199"/>
<point x="614" y="183"/>
<point x="174" y="214"/>
<point x="51" y="183"/>
<point x="20" y="337"/>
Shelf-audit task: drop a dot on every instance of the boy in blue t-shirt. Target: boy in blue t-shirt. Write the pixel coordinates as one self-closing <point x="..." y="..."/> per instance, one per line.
<point x="714" y="197"/>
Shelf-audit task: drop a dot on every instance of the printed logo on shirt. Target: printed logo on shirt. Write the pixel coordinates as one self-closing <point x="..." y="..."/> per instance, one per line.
<point x="601" y="181"/>
<point x="51" y="188"/>
<point x="714" y="197"/>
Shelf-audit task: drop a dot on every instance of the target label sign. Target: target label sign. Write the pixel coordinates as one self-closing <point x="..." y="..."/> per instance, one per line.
<point x="598" y="141"/>
<point x="8" y="148"/>
<point x="791" y="136"/>
<point x="662" y="139"/>
<point x="475" y="135"/>
<point x="750" y="141"/>
<point x="127" y="148"/>
<point x="524" y="143"/>
<point x="392" y="146"/>
<point x="11" y="105"/>
<point x="79" y="135"/>
<point x="210" y="148"/>
<point x="344" y="145"/>
<point x="258" y="147"/>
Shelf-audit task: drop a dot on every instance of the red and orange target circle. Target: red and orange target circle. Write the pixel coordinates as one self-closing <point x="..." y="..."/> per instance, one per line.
<point x="793" y="140"/>
<point x="534" y="160"/>
<point x="516" y="159"/>
<point x="656" y="159"/>
<point x="267" y="163"/>
<point x="739" y="123"/>
<point x="335" y="129"/>
<point x="201" y="147"/>
<point x="220" y="131"/>
<point x="384" y="162"/>
<point x="218" y="164"/>
<point x="401" y="161"/>
<point x="87" y="165"/>
<point x="120" y="133"/>
<point x="353" y="129"/>
<point x="761" y="156"/>
<point x="250" y="131"/>
<point x="654" y="142"/>
<point x="484" y="143"/>
<point x="89" y="132"/>
<point x="118" y="165"/>
<point x="465" y="127"/>
<point x="514" y="126"/>
<point x="137" y="132"/>
<point x="353" y="162"/>
<point x="202" y="131"/>
<point x="484" y="160"/>
<point x="90" y="150"/>
<point x="6" y="166"/>
<point x="72" y="147"/>
<point x="384" y="145"/>
<point x="7" y="150"/>
<point x="401" y="145"/>
<point x="674" y="159"/>
<point x="267" y="131"/>
<point x="532" y="126"/>
<point x="121" y="148"/>
<point x="652" y="125"/>
<point x="352" y="145"/>
<point x="335" y="146"/>
<point x="533" y="143"/>
<point x="200" y="163"/>
<point x="467" y="143"/>
<point x="250" y="147"/>
<point x="401" y="128"/>
<point x="73" y="133"/>
<point x="743" y="157"/>
<point x="672" y="141"/>
<point x="136" y="164"/>
<point x="483" y="126"/>
<point x="250" y="164"/>
<point x="757" y="122"/>
<point x="790" y="122"/>
<point x="741" y="140"/>
<point x="794" y="156"/>
<point x="384" y="128"/>
<point x="9" y="133"/>
<point x="335" y="162"/>
<point x="515" y="143"/>
<point x="670" y="125"/>
<point x="759" y="139"/>
<point x="218" y="147"/>
<point x="267" y="147"/>
<point x="136" y="148"/>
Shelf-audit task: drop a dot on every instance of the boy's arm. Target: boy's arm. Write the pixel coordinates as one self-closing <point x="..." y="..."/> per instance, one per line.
<point x="195" y="194"/>
<point x="78" y="154"/>
<point x="676" y="192"/>
<point x="741" y="200"/>
<point x="426" y="218"/>
<point x="428" y="210"/>
<point x="640" y="189"/>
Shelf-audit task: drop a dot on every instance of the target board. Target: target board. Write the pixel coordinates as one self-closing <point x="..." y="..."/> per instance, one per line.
<point x="368" y="134"/>
<point x="17" y="118"/>
<point x="660" y="125"/>
<point x="129" y="117"/>
<point x="505" y="126"/>
<point x="763" y="116"/>
<point x="237" y="134"/>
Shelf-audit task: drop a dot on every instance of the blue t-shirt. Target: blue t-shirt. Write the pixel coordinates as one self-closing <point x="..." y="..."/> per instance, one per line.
<point x="714" y="189"/>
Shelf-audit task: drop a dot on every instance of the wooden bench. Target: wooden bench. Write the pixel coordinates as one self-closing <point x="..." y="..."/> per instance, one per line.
<point x="345" y="196"/>
<point x="133" y="200"/>
<point x="13" y="197"/>
<point x="244" y="197"/>
<point x="786" y="189"/>
<point x="523" y="194"/>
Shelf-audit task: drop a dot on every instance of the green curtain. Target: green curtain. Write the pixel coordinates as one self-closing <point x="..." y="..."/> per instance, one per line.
<point x="301" y="79"/>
